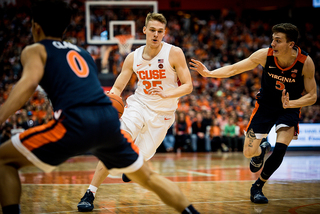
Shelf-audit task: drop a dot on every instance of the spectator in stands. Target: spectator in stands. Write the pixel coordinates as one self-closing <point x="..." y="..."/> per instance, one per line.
<point x="16" y="126"/>
<point x="216" y="137"/>
<point x="198" y="140"/>
<point x="31" y="121"/>
<point x="182" y="133"/>
<point x="23" y="120"/>
<point x="231" y="135"/>
<point x="169" y="139"/>
<point x="6" y="132"/>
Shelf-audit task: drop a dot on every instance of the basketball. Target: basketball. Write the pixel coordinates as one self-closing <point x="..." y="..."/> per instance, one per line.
<point x="117" y="103"/>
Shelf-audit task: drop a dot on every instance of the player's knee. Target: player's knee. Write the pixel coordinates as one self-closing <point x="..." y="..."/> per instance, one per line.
<point x="10" y="157"/>
<point x="5" y="163"/>
<point x="150" y="179"/>
<point x="143" y="176"/>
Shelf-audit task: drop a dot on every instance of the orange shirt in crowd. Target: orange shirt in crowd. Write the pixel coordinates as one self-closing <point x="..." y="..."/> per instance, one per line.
<point x="215" y="131"/>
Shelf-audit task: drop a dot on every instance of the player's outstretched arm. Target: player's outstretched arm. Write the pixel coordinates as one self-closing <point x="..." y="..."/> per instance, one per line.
<point x="310" y="87"/>
<point x="258" y="57"/>
<point x="33" y="58"/>
<point x="124" y="76"/>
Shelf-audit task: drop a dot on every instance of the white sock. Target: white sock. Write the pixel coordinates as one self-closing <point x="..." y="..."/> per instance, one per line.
<point x="93" y="189"/>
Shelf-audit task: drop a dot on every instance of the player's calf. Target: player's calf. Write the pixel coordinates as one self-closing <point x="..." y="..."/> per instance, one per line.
<point x="256" y="163"/>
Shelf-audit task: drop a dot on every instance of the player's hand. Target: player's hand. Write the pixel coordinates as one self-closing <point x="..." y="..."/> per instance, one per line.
<point x="285" y="99"/>
<point x="199" y="67"/>
<point x="157" y="91"/>
<point x="110" y="92"/>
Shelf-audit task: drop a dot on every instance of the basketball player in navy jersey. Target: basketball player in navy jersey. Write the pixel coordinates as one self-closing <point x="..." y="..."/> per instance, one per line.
<point x="84" y="119"/>
<point x="288" y="73"/>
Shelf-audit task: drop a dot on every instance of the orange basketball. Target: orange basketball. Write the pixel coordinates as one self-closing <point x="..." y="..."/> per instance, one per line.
<point x="117" y="103"/>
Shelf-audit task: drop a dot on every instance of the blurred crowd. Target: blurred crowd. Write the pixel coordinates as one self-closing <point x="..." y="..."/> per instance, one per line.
<point x="213" y="117"/>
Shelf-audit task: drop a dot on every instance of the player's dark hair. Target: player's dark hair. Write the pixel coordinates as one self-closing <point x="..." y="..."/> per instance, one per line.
<point x="52" y="15"/>
<point x="291" y="31"/>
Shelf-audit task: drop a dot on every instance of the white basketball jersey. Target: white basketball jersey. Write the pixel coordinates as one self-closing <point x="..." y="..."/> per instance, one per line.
<point x="156" y="72"/>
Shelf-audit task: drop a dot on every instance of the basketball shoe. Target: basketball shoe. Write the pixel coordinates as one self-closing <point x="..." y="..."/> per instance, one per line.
<point x="256" y="163"/>
<point x="86" y="202"/>
<point x="256" y="195"/>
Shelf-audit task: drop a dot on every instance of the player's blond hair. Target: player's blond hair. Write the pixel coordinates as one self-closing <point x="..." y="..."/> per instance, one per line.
<point x="156" y="17"/>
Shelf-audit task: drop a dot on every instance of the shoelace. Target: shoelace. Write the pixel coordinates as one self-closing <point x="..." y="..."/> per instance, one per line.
<point x="87" y="197"/>
<point x="258" y="193"/>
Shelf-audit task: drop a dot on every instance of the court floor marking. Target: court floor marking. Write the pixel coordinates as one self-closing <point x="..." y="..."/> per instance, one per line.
<point x="123" y="183"/>
<point x="196" y="173"/>
<point x="207" y="202"/>
<point x="293" y="210"/>
<point x="187" y="182"/>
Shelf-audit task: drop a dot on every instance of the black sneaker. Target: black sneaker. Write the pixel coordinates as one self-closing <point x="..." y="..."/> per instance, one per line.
<point x="256" y="163"/>
<point x="125" y="178"/>
<point x="256" y="196"/>
<point x="86" y="203"/>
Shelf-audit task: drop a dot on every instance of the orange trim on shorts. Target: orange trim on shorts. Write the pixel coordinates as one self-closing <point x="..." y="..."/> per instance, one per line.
<point x="38" y="136"/>
<point x="129" y="139"/>
<point x="256" y="106"/>
<point x="37" y="129"/>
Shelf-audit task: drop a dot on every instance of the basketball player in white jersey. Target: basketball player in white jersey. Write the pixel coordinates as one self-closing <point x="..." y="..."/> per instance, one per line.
<point x="163" y="77"/>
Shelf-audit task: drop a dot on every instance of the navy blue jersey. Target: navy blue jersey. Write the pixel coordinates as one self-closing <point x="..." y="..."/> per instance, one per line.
<point x="70" y="77"/>
<point x="85" y="120"/>
<point x="275" y="79"/>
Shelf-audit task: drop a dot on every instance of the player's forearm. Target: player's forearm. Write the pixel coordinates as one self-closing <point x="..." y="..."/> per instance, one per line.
<point x="306" y="100"/>
<point x="120" y="83"/>
<point x="223" y="72"/>
<point x="182" y="90"/>
<point x="118" y="87"/>
<point x="116" y="91"/>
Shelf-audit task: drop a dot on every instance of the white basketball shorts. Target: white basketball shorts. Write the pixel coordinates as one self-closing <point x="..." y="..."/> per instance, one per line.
<point x="146" y="127"/>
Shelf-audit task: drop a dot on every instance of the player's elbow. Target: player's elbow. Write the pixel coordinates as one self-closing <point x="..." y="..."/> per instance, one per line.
<point x="189" y="88"/>
<point x="314" y="98"/>
<point x="29" y="84"/>
<point x="32" y="85"/>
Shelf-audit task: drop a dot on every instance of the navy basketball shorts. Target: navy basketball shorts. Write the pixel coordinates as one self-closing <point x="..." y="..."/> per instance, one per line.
<point x="94" y="129"/>
<point x="263" y="118"/>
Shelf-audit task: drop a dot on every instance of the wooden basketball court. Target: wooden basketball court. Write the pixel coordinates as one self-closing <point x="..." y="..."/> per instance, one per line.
<point x="214" y="182"/>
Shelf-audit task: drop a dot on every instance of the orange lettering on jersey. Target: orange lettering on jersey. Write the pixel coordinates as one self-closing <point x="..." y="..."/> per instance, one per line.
<point x="162" y="74"/>
<point x="155" y="74"/>
<point x="148" y="75"/>
<point x="140" y="73"/>
<point x="151" y="74"/>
